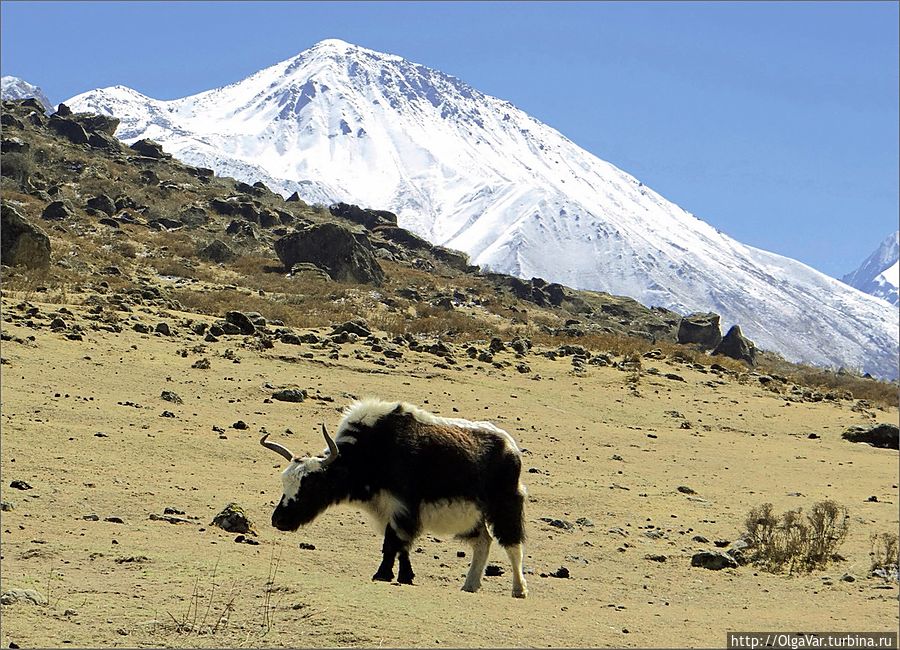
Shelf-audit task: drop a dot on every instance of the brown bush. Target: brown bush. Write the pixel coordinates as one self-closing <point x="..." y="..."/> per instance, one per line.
<point x="884" y="553"/>
<point x="795" y="542"/>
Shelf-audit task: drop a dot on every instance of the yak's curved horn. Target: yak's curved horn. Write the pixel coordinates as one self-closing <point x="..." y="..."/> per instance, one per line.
<point x="332" y="448"/>
<point x="281" y="450"/>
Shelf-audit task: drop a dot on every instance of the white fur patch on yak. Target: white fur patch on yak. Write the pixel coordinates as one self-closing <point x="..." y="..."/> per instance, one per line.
<point x="368" y="411"/>
<point x="446" y="516"/>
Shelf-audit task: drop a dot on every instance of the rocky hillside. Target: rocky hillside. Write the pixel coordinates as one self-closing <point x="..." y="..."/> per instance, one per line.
<point x="81" y="207"/>
<point x="157" y="320"/>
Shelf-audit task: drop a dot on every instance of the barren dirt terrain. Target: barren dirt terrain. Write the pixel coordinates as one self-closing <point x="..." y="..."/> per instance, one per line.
<point x="85" y="426"/>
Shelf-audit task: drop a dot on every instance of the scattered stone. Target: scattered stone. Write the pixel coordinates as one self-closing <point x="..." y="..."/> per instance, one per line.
<point x="241" y="539"/>
<point x="240" y="425"/>
<point x="306" y="546"/>
<point x="492" y="570"/>
<point x="114" y="520"/>
<point x="658" y="557"/>
<point x="163" y="328"/>
<point x="713" y="560"/>
<point x="290" y="395"/>
<point x="29" y="596"/>
<point x="233" y="520"/>
<point x="558" y="523"/>
<point x="686" y="490"/>
<point x="20" y="485"/>
<point x="201" y="364"/>
<point x="585" y="522"/>
<point x="561" y="572"/>
<point x="6" y="506"/>
<point x="171" y="396"/>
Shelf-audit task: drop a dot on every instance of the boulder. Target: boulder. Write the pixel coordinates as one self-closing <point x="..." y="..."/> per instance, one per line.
<point x="103" y="141"/>
<point x="68" y="128"/>
<point x="345" y="255"/>
<point x="93" y="123"/>
<point x="217" y="251"/>
<point x="233" y="519"/>
<point x="102" y="203"/>
<point x="56" y="211"/>
<point x="454" y="259"/>
<point x="63" y="111"/>
<point x="885" y="436"/>
<point x="150" y="149"/>
<point x="735" y="345"/>
<point x="713" y="560"/>
<point x="22" y="243"/>
<point x="368" y="218"/>
<point x="403" y="237"/>
<point x="700" y="328"/>
<point x="295" y="197"/>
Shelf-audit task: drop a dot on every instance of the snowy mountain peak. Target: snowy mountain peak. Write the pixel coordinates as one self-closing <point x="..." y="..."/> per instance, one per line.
<point x="473" y="172"/>
<point x="879" y="274"/>
<point x="15" y="88"/>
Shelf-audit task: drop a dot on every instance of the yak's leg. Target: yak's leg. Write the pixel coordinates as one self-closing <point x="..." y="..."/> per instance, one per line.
<point x="481" y="546"/>
<point x="507" y="519"/>
<point x="515" y="553"/>
<point x="405" y="574"/>
<point x="407" y="529"/>
<point x="389" y="550"/>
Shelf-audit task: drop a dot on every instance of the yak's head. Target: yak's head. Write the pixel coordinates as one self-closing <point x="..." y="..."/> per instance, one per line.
<point x="307" y="488"/>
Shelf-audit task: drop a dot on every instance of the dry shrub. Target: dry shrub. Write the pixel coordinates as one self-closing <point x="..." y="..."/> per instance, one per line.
<point x="795" y="542"/>
<point x="884" y="555"/>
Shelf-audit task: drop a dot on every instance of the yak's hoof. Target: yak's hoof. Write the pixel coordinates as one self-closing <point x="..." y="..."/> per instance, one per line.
<point x="383" y="576"/>
<point x="520" y="593"/>
<point x="406" y="579"/>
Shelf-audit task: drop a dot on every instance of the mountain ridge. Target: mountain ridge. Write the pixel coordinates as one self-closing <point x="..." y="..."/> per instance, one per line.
<point x="472" y="172"/>
<point x="879" y="274"/>
<point x="16" y="88"/>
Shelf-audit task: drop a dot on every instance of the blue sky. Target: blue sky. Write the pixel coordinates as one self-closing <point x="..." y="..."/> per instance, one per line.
<point x="775" y="122"/>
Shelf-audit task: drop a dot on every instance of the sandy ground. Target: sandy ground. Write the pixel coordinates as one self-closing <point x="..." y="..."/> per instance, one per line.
<point x="83" y="423"/>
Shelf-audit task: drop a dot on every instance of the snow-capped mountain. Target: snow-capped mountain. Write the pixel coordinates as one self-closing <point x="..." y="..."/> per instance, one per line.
<point x="879" y="274"/>
<point x="15" y="88"/>
<point x="473" y="172"/>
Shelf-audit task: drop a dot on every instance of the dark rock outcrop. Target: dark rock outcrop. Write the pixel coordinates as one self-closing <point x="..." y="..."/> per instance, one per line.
<point x="735" y="345"/>
<point x="885" y="436"/>
<point x="217" y="251"/>
<point x="22" y="242"/>
<point x="102" y="203"/>
<point x="345" y="255"/>
<point x="700" y="328"/>
<point x="368" y="218"/>
<point x="404" y="237"/>
<point x="69" y="129"/>
<point x="150" y="149"/>
<point x="57" y="210"/>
